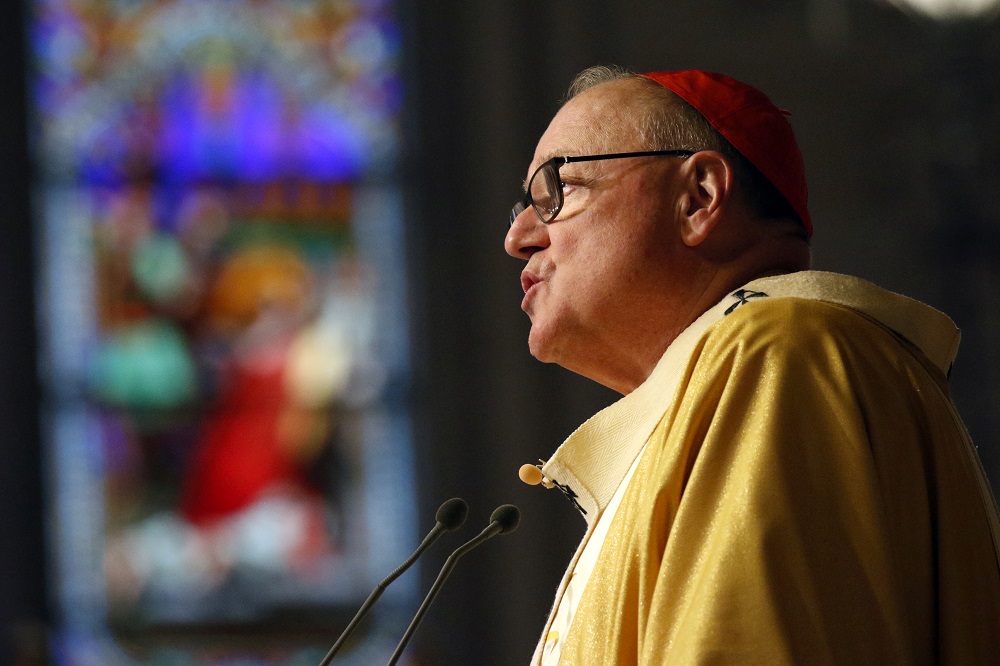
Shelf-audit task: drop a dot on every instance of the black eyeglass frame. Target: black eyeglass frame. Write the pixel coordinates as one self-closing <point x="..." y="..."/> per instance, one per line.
<point x="556" y="162"/>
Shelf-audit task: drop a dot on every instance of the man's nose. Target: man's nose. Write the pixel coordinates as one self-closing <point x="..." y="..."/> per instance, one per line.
<point x="527" y="235"/>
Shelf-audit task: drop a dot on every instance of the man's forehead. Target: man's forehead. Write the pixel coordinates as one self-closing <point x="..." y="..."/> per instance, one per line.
<point x="569" y="133"/>
<point x="589" y="123"/>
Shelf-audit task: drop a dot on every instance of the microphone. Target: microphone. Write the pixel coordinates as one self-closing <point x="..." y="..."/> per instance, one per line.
<point x="530" y="474"/>
<point x="449" y="517"/>
<point x="503" y="520"/>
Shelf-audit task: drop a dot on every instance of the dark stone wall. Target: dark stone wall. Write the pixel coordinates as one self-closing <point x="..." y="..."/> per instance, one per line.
<point x="23" y="608"/>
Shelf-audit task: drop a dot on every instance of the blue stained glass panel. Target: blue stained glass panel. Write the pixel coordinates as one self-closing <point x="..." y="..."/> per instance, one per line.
<point x="224" y="326"/>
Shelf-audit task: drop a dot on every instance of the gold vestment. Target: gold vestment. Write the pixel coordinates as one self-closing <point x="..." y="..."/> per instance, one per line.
<point x="807" y="493"/>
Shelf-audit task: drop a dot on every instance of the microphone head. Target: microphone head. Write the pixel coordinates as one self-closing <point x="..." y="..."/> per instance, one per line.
<point x="530" y="474"/>
<point x="452" y="513"/>
<point x="508" y="516"/>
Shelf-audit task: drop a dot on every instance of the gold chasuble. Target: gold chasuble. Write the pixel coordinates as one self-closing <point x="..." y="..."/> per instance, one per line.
<point x="806" y="494"/>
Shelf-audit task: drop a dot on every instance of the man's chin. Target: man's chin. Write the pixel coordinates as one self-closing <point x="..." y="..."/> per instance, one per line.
<point x="541" y="346"/>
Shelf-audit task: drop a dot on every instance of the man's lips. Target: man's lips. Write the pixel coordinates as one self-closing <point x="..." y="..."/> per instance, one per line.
<point x="528" y="283"/>
<point x="528" y="280"/>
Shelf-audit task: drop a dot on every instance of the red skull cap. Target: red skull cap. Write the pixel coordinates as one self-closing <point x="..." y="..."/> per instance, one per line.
<point x="752" y="123"/>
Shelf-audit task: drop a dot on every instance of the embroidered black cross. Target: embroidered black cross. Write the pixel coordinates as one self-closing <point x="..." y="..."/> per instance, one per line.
<point x="570" y="495"/>
<point x="744" y="296"/>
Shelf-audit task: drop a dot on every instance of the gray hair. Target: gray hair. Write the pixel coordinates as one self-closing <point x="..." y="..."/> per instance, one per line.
<point x="667" y="122"/>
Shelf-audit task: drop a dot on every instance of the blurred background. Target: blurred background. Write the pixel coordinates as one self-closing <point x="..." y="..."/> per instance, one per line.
<point x="258" y="323"/>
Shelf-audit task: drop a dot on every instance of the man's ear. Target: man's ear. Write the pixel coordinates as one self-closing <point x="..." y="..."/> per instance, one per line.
<point x="708" y="186"/>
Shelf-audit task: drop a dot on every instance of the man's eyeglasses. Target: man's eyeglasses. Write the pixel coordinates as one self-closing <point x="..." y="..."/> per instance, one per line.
<point x="544" y="192"/>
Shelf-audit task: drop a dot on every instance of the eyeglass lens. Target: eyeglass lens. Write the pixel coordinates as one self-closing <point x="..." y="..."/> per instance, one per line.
<point x="546" y="193"/>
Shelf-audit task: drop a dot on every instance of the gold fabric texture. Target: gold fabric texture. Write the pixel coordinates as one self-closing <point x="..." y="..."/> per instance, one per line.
<point x="809" y="496"/>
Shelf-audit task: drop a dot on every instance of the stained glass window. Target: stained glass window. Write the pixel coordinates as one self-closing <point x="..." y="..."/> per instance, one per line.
<point x="224" y="324"/>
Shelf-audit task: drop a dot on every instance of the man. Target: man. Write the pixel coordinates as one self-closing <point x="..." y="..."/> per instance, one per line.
<point x="785" y="479"/>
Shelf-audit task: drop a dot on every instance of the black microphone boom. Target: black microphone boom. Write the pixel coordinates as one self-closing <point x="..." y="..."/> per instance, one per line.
<point x="503" y="520"/>
<point x="449" y="517"/>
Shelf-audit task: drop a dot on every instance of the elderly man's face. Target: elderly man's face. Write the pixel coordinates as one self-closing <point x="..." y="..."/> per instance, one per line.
<point x="596" y="274"/>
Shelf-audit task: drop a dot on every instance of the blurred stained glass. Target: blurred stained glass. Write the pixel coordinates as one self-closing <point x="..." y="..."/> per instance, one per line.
<point x="224" y="324"/>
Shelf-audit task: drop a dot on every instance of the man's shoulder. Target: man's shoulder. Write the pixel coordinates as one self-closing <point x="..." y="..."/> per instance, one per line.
<point x="826" y="304"/>
<point x="805" y="332"/>
<point x="790" y="320"/>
